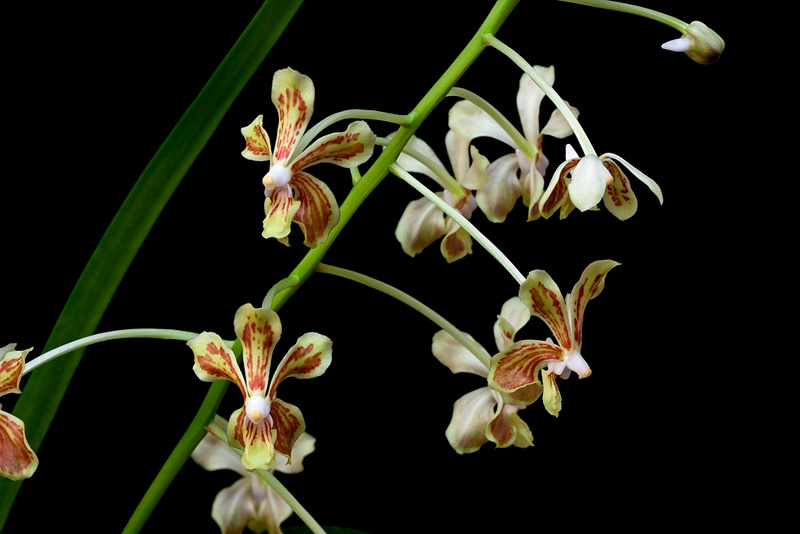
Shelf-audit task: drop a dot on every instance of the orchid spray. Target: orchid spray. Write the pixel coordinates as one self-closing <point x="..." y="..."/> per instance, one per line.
<point x="436" y="374"/>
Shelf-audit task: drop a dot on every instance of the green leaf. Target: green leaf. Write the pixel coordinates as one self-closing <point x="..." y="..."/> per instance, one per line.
<point x="41" y="395"/>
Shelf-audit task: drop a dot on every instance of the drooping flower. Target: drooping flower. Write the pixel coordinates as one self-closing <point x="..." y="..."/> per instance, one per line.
<point x="249" y="502"/>
<point x="517" y="366"/>
<point x="264" y="424"/>
<point x="17" y="459"/>
<point x="292" y="194"/>
<point x="593" y="178"/>
<point x="422" y="222"/>
<point x="482" y="415"/>
<point x="520" y="173"/>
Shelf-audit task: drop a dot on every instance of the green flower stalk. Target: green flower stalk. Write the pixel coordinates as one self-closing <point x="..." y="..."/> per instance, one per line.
<point x="702" y="44"/>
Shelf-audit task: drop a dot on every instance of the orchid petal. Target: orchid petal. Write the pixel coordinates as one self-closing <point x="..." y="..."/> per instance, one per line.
<point x="506" y="428"/>
<point x="532" y="187"/>
<point x="497" y="198"/>
<point x="588" y="287"/>
<point x="304" y="446"/>
<point x="551" y="397"/>
<point x="649" y="182"/>
<point x="518" y="366"/>
<point x="456" y="244"/>
<point x="681" y="44"/>
<point x="456" y="356"/>
<point x="318" y="211"/>
<point x="17" y="459"/>
<point x="458" y="152"/>
<point x="309" y="358"/>
<point x="476" y="177"/>
<point x="471" y="415"/>
<point x="280" y="208"/>
<point x="345" y="149"/>
<point x="529" y="99"/>
<point x="11" y="367"/>
<point x="469" y="121"/>
<point x="234" y="506"/>
<point x="558" y="126"/>
<point x="213" y="454"/>
<point x="213" y="360"/>
<point x="256" y="141"/>
<point x="589" y="180"/>
<point x="289" y="425"/>
<point x="259" y="329"/>
<point x="293" y="96"/>
<point x="619" y="198"/>
<point x="543" y="298"/>
<point x="412" y="164"/>
<point x="557" y="193"/>
<point x="256" y="440"/>
<point x="421" y="224"/>
<point x="513" y="315"/>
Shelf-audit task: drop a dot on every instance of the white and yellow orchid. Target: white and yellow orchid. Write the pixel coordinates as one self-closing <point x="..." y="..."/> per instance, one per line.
<point x="582" y="182"/>
<point x="516" y="367"/>
<point x="482" y="416"/>
<point x="265" y="424"/>
<point x="249" y="502"/>
<point x="422" y="222"/>
<point x="520" y="173"/>
<point x="292" y="194"/>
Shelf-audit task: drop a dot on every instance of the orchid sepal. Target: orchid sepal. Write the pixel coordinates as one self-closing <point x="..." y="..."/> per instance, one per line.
<point x="17" y="459"/>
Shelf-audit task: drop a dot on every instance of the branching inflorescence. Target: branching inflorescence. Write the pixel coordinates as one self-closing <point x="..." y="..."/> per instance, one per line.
<point x="268" y="434"/>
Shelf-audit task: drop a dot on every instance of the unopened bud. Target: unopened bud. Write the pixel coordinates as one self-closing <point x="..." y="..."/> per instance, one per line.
<point x="699" y="42"/>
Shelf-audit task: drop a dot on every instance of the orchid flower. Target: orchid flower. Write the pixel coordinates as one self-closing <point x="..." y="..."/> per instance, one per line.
<point x="293" y="195"/>
<point x="264" y="424"/>
<point x="517" y="366"/>
<point x="422" y="222"/>
<point x="469" y="120"/>
<point x="248" y="502"/>
<point x="17" y="459"/>
<point x="593" y="178"/>
<point x="482" y="415"/>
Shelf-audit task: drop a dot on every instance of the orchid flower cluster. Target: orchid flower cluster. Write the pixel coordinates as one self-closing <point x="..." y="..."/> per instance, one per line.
<point x="266" y="434"/>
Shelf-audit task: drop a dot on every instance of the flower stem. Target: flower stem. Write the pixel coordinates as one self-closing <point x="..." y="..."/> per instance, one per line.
<point x="362" y="114"/>
<point x="633" y="10"/>
<point x="405" y="298"/>
<point x="445" y="179"/>
<point x="131" y="333"/>
<point x="462" y="222"/>
<point x="523" y="144"/>
<point x="580" y="134"/>
<point x="286" y="283"/>
<point x="290" y="499"/>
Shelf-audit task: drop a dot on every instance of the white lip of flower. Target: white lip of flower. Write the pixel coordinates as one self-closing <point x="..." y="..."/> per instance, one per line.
<point x="257" y="409"/>
<point x="571" y="362"/>
<point x="278" y="176"/>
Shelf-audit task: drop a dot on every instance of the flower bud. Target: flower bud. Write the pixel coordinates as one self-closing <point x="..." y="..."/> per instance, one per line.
<point x="699" y="42"/>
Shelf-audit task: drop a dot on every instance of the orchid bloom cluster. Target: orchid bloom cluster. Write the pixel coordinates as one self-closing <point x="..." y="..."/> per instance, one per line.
<point x="267" y="434"/>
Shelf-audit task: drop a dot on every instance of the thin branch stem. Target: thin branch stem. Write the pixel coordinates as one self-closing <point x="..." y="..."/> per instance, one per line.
<point x="548" y="90"/>
<point x="633" y="10"/>
<point x="520" y="141"/>
<point x="131" y="333"/>
<point x="407" y="299"/>
<point x="444" y="178"/>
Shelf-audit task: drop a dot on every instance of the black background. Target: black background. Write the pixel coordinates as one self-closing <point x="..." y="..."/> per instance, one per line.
<point x="93" y="93"/>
